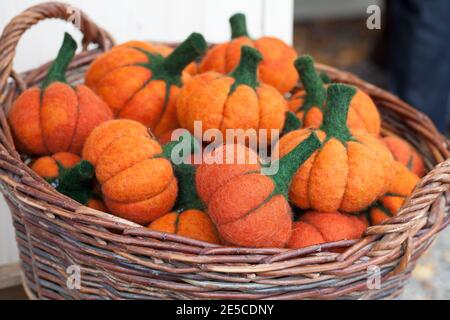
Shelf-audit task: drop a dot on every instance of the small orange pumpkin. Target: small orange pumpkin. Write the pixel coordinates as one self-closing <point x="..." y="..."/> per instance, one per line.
<point x="309" y="103"/>
<point x="56" y="117"/>
<point x="70" y="176"/>
<point x="321" y="227"/>
<point x="388" y="205"/>
<point x="406" y="154"/>
<point x="276" y="69"/>
<point x="137" y="182"/>
<point x="234" y="101"/>
<point x="138" y="82"/>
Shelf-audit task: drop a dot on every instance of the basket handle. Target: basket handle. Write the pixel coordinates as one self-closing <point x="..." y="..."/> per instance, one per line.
<point x="31" y="16"/>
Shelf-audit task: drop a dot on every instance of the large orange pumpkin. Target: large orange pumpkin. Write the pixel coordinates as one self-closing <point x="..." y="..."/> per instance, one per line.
<point x="138" y="82"/>
<point x="234" y="101"/>
<point x="309" y="103"/>
<point x="56" y="117"/>
<point x="249" y="207"/>
<point x="276" y="69"/>
<point x="349" y="171"/>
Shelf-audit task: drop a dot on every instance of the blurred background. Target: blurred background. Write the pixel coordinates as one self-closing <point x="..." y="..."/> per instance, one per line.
<point x="400" y="45"/>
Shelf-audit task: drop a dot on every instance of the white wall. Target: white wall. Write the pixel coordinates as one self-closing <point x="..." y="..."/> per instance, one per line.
<point x="161" y="20"/>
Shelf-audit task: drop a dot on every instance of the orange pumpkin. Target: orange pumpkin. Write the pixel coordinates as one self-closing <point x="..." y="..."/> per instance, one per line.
<point x="406" y="154"/>
<point x="56" y="117"/>
<point x="69" y="175"/>
<point x="249" y="207"/>
<point x="192" y="223"/>
<point x="235" y="101"/>
<point x="139" y="83"/>
<point x="137" y="182"/>
<point x="349" y="171"/>
<point x="321" y="227"/>
<point x="389" y="204"/>
<point x="276" y="69"/>
<point x="309" y="103"/>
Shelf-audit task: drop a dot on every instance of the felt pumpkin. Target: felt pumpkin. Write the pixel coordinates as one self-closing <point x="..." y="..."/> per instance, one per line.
<point x="321" y="227"/>
<point x="140" y="84"/>
<point x="137" y="182"/>
<point x="56" y="117"/>
<point x="276" y="69"/>
<point x="249" y="207"/>
<point x="406" y="154"/>
<point x="349" y="171"/>
<point x="69" y="175"/>
<point x="235" y="101"/>
<point x="188" y="218"/>
<point x="388" y="205"/>
<point x="309" y="103"/>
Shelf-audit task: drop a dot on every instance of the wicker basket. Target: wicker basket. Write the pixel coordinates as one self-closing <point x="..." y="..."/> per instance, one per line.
<point x="122" y="260"/>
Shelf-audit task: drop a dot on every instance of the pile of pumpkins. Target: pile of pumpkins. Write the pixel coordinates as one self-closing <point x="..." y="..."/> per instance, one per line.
<point x="107" y="143"/>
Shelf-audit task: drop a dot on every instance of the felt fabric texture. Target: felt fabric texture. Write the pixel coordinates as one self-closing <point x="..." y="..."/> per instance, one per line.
<point x="291" y="123"/>
<point x="351" y="169"/>
<point x="277" y="67"/>
<point x="47" y="166"/>
<point x="57" y="117"/>
<point x="388" y="205"/>
<point x="317" y="227"/>
<point x="97" y="204"/>
<point x="216" y="100"/>
<point x="185" y="173"/>
<point x="141" y="81"/>
<point x="137" y="182"/>
<point x="304" y="235"/>
<point x="249" y="208"/>
<point x="406" y="154"/>
<point x="106" y="133"/>
<point x="55" y="169"/>
<point x="235" y="160"/>
<point x="309" y="103"/>
<point x="194" y="224"/>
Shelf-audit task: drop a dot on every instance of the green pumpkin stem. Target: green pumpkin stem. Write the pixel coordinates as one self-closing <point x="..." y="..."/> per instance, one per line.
<point x="335" y="116"/>
<point x="76" y="182"/>
<point x="58" y="68"/>
<point x="312" y="82"/>
<point x="325" y="78"/>
<point x="238" y="26"/>
<point x="191" y="48"/>
<point x="291" y="123"/>
<point x="247" y="70"/>
<point x="185" y="174"/>
<point x="290" y="163"/>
